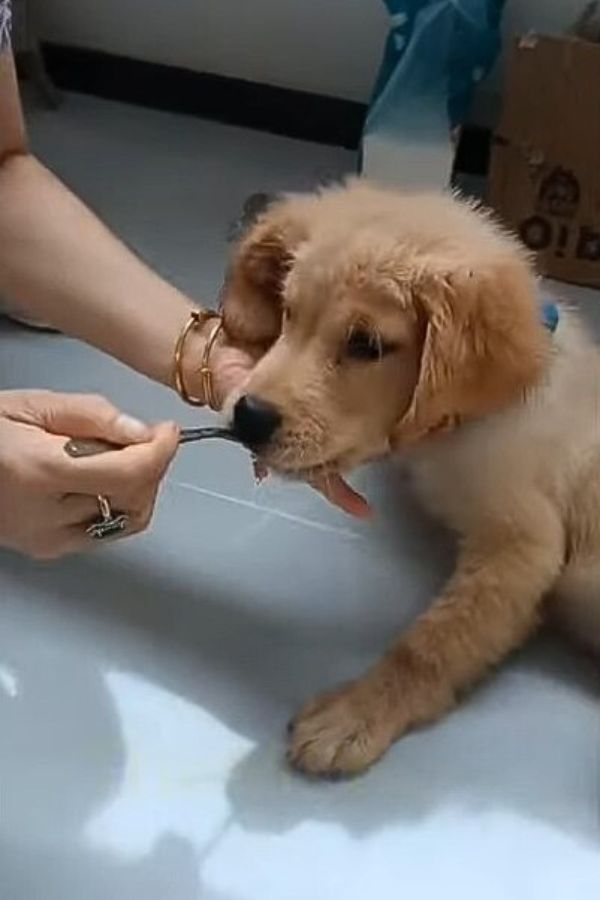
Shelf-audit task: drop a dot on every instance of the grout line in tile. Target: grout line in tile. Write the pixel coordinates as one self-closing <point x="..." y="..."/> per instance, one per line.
<point x="257" y="507"/>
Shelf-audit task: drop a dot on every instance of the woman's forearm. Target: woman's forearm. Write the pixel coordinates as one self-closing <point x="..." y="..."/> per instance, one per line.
<point x="59" y="263"/>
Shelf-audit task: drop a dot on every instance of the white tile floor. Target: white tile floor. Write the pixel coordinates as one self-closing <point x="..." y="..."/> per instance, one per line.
<point x="144" y="689"/>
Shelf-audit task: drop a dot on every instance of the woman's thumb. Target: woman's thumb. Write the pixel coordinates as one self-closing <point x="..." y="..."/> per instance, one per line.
<point x="91" y="416"/>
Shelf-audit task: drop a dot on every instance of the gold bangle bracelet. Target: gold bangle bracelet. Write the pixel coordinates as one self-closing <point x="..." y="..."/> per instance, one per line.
<point x="205" y="369"/>
<point x="197" y="318"/>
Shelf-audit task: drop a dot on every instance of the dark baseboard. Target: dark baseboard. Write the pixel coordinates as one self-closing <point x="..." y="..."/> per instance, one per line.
<point x="295" y="114"/>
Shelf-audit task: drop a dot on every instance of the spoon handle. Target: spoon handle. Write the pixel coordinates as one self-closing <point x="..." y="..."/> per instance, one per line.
<point x="80" y="447"/>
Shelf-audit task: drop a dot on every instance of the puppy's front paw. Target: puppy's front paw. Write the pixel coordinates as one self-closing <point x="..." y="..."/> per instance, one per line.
<point x="340" y="733"/>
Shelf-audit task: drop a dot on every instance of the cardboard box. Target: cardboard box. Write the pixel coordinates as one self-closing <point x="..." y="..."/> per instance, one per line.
<point x="545" y="165"/>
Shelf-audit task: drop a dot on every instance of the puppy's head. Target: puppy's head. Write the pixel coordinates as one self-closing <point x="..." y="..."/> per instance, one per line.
<point x="385" y="319"/>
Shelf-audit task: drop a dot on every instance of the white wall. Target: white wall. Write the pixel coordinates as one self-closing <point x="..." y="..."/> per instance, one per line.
<point x="521" y="16"/>
<point x="327" y="46"/>
<point x="549" y="16"/>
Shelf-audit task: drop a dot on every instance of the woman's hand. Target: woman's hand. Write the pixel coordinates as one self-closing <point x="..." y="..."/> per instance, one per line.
<point x="47" y="499"/>
<point x="231" y="365"/>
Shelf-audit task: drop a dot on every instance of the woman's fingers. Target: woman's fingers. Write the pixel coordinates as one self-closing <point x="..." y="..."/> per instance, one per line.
<point x="78" y="509"/>
<point x="60" y="542"/>
<point x="231" y="369"/>
<point x="129" y="478"/>
<point x="129" y="471"/>
<point x="140" y="518"/>
<point x="48" y="498"/>
<point x="79" y="415"/>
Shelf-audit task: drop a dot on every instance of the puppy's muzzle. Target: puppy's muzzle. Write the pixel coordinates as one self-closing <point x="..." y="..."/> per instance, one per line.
<point x="255" y="421"/>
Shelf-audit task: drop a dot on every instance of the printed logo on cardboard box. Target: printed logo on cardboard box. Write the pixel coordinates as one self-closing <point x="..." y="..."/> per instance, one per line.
<point x="558" y="197"/>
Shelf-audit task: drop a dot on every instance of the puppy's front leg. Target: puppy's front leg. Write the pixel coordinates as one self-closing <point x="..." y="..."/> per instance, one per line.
<point x="488" y="608"/>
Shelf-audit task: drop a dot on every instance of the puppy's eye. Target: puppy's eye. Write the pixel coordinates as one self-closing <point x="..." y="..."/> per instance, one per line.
<point x="366" y="346"/>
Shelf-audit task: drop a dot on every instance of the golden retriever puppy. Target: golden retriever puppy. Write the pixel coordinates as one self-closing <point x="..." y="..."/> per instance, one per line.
<point x="412" y="324"/>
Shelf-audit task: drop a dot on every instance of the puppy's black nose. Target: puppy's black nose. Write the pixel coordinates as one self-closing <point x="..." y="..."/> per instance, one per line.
<point x="255" y="421"/>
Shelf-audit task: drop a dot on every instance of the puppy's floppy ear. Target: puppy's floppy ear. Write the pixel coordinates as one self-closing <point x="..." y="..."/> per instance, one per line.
<point x="252" y="297"/>
<point x="484" y="345"/>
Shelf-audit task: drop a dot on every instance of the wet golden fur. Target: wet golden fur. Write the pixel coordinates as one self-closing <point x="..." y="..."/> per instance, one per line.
<point x="496" y="417"/>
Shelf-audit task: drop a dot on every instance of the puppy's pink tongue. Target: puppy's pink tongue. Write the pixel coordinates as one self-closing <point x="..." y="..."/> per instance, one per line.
<point x="339" y="492"/>
<point x="333" y="487"/>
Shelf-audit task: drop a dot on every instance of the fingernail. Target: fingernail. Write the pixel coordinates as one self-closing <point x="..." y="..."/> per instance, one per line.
<point x="172" y="427"/>
<point x="132" y="429"/>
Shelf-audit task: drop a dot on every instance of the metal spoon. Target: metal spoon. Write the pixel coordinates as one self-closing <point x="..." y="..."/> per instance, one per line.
<point x="79" y="447"/>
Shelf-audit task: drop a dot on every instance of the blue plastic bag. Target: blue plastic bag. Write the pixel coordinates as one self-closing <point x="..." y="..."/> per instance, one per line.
<point x="436" y="53"/>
